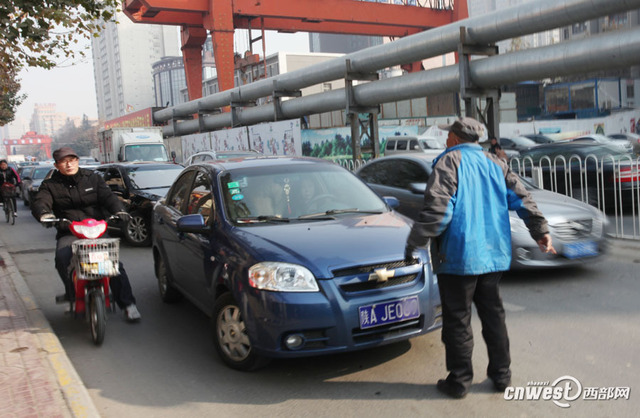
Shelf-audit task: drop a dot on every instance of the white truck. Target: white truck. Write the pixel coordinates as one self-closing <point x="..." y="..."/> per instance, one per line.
<point x="132" y="144"/>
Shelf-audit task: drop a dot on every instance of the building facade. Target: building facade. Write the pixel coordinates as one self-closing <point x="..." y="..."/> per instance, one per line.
<point x="123" y="57"/>
<point x="45" y="120"/>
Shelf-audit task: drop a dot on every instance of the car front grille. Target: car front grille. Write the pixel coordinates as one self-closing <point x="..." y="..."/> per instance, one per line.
<point x="573" y="230"/>
<point x="362" y="271"/>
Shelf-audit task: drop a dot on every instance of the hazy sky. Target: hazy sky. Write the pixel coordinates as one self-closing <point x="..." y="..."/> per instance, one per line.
<point x="71" y="87"/>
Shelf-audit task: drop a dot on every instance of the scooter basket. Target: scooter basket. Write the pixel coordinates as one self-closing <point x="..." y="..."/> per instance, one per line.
<point x="96" y="258"/>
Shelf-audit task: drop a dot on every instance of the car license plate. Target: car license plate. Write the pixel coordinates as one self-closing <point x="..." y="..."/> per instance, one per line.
<point x="580" y="249"/>
<point x="389" y="312"/>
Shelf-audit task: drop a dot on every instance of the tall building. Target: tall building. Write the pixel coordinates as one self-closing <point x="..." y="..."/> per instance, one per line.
<point x="123" y="57"/>
<point x="45" y="120"/>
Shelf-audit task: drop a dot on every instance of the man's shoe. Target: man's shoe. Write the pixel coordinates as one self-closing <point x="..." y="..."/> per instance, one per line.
<point x="501" y="386"/>
<point x="132" y="313"/>
<point x="450" y="389"/>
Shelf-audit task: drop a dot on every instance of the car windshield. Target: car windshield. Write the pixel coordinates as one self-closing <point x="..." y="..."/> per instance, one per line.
<point x="153" y="177"/>
<point x="295" y="192"/>
<point x="40" y="172"/>
<point x="431" y="143"/>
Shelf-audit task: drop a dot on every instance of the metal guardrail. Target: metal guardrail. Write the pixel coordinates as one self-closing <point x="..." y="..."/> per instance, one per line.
<point x="610" y="184"/>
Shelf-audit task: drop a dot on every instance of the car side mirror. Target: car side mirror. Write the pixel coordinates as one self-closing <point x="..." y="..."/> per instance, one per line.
<point x="192" y="224"/>
<point x="391" y="201"/>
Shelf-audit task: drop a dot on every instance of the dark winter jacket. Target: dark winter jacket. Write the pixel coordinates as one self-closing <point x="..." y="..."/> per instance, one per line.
<point x="9" y="176"/>
<point x="81" y="196"/>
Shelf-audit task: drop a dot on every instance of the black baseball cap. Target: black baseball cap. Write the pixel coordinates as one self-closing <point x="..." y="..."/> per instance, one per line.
<point x="60" y="153"/>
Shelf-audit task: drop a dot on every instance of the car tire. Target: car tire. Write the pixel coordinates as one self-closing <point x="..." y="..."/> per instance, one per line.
<point x="137" y="231"/>
<point x="230" y="336"/>
<point x="168" y="293"/>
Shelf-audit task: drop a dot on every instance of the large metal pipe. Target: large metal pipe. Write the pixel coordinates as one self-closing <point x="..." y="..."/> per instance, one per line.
<point x="508" y="23"/>
<point x="612" y="50"/>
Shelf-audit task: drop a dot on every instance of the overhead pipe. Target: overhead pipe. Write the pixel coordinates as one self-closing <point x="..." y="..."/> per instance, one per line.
<point x="612" y="50"/>
<point x="508" y="23"/>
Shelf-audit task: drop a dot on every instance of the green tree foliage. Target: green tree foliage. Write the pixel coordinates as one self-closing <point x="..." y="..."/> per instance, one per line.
<point x="10" y="98"/>
<point x="37" y="33"/>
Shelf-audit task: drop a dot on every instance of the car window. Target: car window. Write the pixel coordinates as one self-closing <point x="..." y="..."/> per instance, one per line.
<point x="153" y="177"/>
<point x="402" y="145"/>
<point x="177" y="195"/>
<point x="200" y="198"/>
<point x="113" y="178"/>
<point x="391" y="145"/>
<point x="413" y="144"/>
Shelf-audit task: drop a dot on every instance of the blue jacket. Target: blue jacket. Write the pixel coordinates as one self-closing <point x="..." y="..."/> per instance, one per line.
<point x="466" y="206"/>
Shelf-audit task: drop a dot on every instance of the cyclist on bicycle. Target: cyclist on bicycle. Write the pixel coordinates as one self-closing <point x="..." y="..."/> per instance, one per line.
<point x="7" y="175"/>
<point x="76" y="194"/>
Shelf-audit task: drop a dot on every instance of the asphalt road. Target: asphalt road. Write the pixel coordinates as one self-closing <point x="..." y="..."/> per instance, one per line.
<point x="580" y="322"/>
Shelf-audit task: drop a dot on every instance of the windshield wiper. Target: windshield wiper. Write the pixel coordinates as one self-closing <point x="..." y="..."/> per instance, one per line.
<point x="262" y="218"/>
<point x="338" y="211"/>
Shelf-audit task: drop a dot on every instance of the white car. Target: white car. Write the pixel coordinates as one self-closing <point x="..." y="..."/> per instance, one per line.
<point x="203" y="156"/>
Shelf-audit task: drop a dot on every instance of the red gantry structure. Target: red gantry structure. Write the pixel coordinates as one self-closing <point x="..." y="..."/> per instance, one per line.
<point x="222" y="17"/>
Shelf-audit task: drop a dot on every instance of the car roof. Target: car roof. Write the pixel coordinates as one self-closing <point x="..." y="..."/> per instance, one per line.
<point x="260" y="161"/>
<point x="132" y="164"/>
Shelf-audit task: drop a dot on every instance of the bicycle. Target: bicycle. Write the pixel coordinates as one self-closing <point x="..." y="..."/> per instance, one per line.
<point x="8" y="192"/>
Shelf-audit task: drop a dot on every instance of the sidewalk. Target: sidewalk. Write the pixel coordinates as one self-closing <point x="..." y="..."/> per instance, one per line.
<point x="37" y="378"/>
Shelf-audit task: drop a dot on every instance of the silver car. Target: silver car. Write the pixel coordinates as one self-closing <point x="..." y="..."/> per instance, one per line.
<point x="578" y="230"/>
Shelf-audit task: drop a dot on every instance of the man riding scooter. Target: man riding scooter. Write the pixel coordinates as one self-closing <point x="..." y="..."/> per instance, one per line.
<point x="76" y="194"/>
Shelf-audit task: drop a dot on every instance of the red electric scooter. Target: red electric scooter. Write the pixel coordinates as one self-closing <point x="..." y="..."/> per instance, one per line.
<point x="95" y="260"/>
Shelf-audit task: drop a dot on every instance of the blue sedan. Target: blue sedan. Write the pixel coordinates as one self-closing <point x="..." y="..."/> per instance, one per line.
<point x="290" y="257"/>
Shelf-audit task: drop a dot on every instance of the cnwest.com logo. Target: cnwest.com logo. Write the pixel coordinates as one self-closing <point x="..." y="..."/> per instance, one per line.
<point x="563" y="390"/>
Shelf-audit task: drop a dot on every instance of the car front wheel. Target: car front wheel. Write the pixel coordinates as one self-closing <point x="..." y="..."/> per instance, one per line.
<point x="137" y="231"/>
<point x="230" y="336"/>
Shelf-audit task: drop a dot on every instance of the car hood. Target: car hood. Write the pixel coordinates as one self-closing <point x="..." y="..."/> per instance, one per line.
<point x="323" y="246"/>
<point x="152" y="194"/>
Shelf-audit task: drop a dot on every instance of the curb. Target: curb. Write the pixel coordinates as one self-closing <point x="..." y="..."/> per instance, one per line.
<point x="73" y="389"/>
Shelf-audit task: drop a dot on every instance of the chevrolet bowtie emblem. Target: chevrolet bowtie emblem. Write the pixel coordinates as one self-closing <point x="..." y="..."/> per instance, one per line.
<point x="381" y="275"/>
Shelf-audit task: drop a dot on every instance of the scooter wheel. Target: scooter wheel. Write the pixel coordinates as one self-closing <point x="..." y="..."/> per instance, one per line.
<point x="97" y="317"/>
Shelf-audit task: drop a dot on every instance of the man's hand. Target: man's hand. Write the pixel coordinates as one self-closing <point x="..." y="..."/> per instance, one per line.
<point x="47" y="220"/>
<point x="408" y="252"/>
<point x="545" y="245"/>
<point x="124" y="216"/>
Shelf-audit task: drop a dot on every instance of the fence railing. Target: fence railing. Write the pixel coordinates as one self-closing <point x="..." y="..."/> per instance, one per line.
<point x="609" y="183"/>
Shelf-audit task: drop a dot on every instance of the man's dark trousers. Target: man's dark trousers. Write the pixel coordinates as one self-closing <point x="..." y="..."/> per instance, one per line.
<point x="457" y="293"/>
<point x="120" y="286"/>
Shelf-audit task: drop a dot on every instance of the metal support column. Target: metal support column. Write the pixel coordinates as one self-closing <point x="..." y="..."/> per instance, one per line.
<point x="360" y="127"/>
<point x="471" y="94"/>
<point x="237" y="104"/>
<point x="277" y="95"/>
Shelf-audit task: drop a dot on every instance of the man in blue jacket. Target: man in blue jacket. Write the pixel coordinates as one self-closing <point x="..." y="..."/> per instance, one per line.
<point x="466" y="210"/>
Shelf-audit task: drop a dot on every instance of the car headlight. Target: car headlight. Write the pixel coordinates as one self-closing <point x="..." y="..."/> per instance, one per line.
<point x="282" y="277"/>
